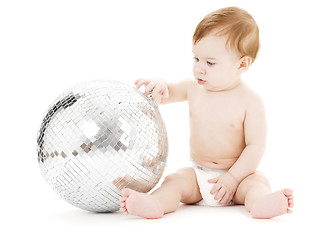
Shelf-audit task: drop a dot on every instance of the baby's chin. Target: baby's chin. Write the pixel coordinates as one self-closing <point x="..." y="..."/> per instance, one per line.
<point x="212" y="88"/>
<point x="222" y="87"/>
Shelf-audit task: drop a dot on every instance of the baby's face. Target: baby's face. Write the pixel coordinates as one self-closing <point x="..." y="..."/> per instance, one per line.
<point x="215" y="67"/>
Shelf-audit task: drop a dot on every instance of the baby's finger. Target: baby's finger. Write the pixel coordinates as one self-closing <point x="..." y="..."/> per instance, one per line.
<point x="165" y="95"/>
<point x="137" y="82"/>
<point x="213" y="180"/>
<point x="141" y="82"/>
<point x="226" y="199"/>
<point x="157" y="97"/>
<point x="156" y="92"/>
<point x="140" y="79"/>
<point x="149" y="88"/>
<point x="215" y="188"/>
<point x="220" y="194"/>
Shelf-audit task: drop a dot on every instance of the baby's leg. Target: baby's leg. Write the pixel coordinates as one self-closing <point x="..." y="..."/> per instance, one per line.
<point x="255" y="193"/>
<point x="178" y="187"/>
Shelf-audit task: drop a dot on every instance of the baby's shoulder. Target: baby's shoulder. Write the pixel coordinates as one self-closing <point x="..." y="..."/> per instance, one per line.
<point x="190" y="85"/>
<point x="250" y="96"/>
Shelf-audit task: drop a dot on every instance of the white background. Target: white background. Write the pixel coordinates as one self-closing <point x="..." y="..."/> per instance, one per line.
<point x="48" y="46"/>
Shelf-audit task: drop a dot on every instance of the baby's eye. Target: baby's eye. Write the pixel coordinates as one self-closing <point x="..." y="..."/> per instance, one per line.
<point x="210" y="63"/>
<point x="196" y="59"/>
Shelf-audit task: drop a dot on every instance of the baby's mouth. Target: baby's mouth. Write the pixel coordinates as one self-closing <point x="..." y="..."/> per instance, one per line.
<point x="201" y="82"/>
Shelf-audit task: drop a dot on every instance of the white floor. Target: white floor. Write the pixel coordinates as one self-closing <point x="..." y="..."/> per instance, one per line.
<point x="49" y="217"/>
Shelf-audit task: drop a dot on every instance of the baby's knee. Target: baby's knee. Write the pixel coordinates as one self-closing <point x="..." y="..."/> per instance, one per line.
<point x="258" y="177"/>
<point x="172" y="177"/>
<point x="181" y="175"/>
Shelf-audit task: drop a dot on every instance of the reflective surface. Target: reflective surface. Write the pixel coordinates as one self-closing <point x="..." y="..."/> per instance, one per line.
<point x="98" y="138"/>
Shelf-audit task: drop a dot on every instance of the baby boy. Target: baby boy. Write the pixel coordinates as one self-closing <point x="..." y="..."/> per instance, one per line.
<point x="227" y="126"/>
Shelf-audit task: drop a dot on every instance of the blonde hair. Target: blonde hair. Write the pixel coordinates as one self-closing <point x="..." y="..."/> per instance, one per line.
<point x="237" y="25"/>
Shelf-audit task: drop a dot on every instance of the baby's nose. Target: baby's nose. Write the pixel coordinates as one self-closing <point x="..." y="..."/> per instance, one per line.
<point x="201" y="69"/>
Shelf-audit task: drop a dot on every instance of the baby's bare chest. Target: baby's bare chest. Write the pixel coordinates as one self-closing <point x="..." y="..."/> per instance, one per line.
<point x="220" y="113"/>
<point x="216" y="129"/>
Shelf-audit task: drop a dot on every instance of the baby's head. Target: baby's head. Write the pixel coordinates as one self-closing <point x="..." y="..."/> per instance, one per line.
<point x="227" y="31"/>
<point x="238" y="26"/>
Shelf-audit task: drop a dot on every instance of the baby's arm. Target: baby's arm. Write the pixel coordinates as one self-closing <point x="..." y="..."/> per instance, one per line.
<point x="164" y="92"/>
<point x="255" y="140"/>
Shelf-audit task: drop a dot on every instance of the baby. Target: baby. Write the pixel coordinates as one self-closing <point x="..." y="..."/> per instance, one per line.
<point x="227" y="126"/>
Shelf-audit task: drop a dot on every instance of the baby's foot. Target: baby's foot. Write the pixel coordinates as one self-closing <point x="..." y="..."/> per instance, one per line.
<point x="140" y="204"/>
<point x="273" y="204"/>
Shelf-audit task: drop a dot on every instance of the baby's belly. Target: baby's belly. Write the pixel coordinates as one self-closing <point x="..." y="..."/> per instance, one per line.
<point x="225" y="164"/>
<point x="215" y="154"/>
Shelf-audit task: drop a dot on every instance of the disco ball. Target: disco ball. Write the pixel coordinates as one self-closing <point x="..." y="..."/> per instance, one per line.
<point x="98" y="138"/>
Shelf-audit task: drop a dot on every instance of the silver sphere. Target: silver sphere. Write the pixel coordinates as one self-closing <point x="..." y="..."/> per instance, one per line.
<point x="98" y="138"/>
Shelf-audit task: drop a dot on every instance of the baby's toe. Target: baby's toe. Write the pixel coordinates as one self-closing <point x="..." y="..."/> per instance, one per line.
<point x="288" y="192"/>
<point x="126" y="192"/>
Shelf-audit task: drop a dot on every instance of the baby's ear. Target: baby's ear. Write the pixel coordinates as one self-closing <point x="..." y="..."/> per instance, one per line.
<point x="245" y="63"/>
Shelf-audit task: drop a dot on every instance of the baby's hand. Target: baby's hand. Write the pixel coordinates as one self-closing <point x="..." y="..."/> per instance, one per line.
<point x="225" y="187"/>
<point x="155" y="87"/>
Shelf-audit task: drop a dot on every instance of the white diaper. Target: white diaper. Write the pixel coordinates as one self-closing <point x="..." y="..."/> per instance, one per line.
<point x="203" y="174"/>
